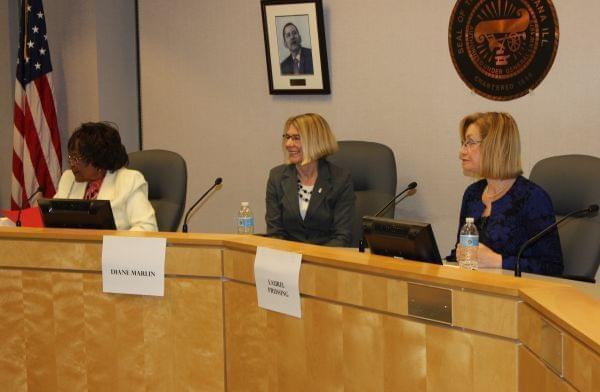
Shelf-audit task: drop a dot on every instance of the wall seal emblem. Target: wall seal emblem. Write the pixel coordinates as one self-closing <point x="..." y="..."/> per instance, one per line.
<point x="502" y="49"/>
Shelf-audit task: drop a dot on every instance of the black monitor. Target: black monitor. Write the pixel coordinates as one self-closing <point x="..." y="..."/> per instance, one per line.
<point x="398" y="238"/>
<point x="77" y="213"/>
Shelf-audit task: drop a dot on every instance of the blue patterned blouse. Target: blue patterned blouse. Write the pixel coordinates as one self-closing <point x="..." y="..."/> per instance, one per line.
<point x="525" y="210"/>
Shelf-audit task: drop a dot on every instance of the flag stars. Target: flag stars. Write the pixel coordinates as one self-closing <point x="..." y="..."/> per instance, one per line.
<point x="30" y="44"/>
<point x="38" y="65"/>
<point x="42" y="52"/>
<point x="40" y="15"/>
<point x="35" y="29"/>
<point x="28" y="8"/>
<point x="45" y="37"/>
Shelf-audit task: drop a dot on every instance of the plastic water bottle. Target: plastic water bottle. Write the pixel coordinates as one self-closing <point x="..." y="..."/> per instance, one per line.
<point x="245" y="219"/>
<point x="466" y="251"/>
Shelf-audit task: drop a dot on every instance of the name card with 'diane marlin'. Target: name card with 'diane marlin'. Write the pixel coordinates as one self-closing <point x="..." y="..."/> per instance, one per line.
<point x="133" y="265"/>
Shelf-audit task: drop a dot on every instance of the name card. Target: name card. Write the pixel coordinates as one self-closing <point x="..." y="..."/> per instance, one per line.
<point x="133" y="265"/>
<point x="277" y="277"/>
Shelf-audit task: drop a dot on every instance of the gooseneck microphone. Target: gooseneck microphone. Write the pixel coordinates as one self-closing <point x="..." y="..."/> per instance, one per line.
<point x="38" y="190"/>
<point x="184" y="228"/>
<point x="584" y="212"/>
<point x="412" y="185"/>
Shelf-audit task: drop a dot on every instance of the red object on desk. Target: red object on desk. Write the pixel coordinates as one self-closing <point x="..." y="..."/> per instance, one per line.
<point x="30" y="217"/>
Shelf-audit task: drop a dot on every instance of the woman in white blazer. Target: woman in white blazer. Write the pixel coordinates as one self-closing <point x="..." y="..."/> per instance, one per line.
<point x="98" y="163"/>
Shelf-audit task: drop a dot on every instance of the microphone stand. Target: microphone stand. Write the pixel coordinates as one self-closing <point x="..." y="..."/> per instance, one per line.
<point x="18" y="221"/>
<point x="411" y="186"/>
<point x="590" y="210"/>
<point x="184" y="228"/>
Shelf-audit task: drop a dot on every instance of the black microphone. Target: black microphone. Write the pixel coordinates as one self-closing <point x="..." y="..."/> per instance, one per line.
<point x="412" y="185"/>
<point x="184" y="229"/>
<point x="38" y="190"/>
<point x="585" y="212"/>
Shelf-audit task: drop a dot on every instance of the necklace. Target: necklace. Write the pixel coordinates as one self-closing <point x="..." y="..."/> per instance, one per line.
<point x="493" y="196"/>
<point x="303" y="193"/>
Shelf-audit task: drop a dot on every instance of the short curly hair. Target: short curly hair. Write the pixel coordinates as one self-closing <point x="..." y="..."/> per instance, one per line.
<point x="99" y="144"/>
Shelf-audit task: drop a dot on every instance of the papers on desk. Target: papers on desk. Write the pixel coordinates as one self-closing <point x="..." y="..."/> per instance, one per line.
<point x="277" y="276"/>
<point x="133" y="265"/>
<point x="6" y="222"/>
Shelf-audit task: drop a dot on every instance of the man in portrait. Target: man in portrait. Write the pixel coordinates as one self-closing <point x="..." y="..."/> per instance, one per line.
<point x="299" y="62"/>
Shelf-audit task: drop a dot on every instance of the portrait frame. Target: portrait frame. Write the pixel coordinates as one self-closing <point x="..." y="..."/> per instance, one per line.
<point x="296" y="65"/>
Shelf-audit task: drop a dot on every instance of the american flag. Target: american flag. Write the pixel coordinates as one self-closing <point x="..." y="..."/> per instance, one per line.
<point x="37" y="157"/>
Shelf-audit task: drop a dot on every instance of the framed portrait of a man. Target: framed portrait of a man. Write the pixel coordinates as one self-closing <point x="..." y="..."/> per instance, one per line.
<point x="295" y="47"/>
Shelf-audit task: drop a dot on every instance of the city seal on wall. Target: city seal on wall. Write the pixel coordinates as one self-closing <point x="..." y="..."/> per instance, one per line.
<point x="503" y="49"/>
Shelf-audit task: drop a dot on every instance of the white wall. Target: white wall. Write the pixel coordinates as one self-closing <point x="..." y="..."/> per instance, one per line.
<point x="94" y="59"/>
<point x="117" y="68"/>
<point x="205" y="94"/>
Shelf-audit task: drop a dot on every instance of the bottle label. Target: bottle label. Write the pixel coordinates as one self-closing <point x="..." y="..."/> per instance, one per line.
<point x="469" y="240"/>
<point x="246" y="221"/>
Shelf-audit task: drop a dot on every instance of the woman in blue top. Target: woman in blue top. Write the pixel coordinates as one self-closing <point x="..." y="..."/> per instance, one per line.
<point x="508" y="209"/>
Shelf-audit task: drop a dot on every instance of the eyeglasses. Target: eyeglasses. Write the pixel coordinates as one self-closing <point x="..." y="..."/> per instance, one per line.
<point x="469" y="143"/>
<point x="295" y="138"/>
<point x="75" y="158"/>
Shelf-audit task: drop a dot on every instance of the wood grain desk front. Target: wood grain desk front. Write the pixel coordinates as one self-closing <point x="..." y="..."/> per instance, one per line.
<point x="360" y="330"/>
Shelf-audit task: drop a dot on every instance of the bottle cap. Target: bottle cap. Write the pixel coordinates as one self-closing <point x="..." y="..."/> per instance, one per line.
<point x="245" y="204"/>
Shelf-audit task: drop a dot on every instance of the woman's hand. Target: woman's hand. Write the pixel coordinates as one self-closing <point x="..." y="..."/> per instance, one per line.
<point x="488" y="258"/>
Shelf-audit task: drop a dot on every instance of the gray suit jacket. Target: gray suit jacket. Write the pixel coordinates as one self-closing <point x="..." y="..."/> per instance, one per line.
<point x="330" y="212"/>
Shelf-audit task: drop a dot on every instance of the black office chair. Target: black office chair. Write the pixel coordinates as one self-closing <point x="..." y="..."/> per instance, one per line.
<point x="166" y="174"/>
<point x="573" y="183"/>
<point x="373" y="169"/>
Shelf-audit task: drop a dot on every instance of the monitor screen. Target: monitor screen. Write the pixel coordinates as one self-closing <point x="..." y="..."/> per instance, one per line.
<point x="77" y="213"/>
<point x="406" y="239"/>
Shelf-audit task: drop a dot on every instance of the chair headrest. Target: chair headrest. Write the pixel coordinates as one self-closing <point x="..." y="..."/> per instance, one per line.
<point x="572" y="181"/>
<point x="165" y="171"/>
<point x="372" y="165"/>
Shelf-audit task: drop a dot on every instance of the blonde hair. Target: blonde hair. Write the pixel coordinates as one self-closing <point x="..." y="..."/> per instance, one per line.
<point x="500" y="145"/>
<point x="317" y="139"/>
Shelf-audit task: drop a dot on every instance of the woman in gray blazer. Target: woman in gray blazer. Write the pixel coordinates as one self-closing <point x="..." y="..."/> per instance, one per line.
<point x="308" y="198"/>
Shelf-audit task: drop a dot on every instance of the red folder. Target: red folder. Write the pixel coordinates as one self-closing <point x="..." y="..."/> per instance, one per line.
<point x="30" y="217"/>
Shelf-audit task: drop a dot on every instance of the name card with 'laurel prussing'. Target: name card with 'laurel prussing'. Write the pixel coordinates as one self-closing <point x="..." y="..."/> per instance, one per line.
<point x="277" y="277"/>
<point x="133" y="265"/>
